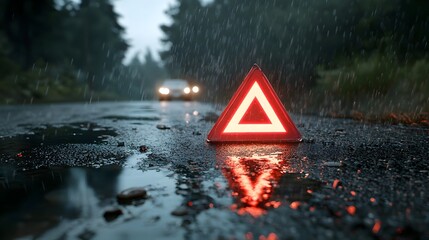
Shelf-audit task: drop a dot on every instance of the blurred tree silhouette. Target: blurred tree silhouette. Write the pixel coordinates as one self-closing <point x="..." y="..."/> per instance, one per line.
<point x="98" y="41"/>
<point x="141" y="77"/>
<point x="152" y="74"/>
<point x="33" y="30"/>
<point x="287" y="38"/>
<point x="291" y="40"/>
<point x="58" y="42"/>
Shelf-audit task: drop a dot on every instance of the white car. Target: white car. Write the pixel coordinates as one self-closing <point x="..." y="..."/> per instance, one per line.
<point x="177" y="89"/>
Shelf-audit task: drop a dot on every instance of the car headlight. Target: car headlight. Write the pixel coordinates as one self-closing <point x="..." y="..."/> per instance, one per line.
<point x="164" y="91"/>
<point x="187" y="90"/>
<point x="195" y="89"/>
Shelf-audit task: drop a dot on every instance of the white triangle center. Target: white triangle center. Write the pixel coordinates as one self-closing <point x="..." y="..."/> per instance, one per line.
<point x="234" y="125"/>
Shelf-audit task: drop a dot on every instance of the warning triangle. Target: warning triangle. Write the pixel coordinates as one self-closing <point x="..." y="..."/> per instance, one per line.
<point x="254" y="114"/>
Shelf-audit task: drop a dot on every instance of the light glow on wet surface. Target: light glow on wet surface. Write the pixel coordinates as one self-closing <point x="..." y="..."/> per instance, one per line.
<point x="252" y="180"/>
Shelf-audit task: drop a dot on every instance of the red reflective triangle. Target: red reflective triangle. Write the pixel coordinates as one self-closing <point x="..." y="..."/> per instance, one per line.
<point x="233" y="124"/>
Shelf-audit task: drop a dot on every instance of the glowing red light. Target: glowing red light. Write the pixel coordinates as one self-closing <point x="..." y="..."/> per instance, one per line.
<point x="295" y="205"/>
<point x="351" y="210"/>
<point x="271" y="236"/>
<point x="377" y="226"/>
<point x="254" y="114"/>
<point x="253" y="211"/>
<point x="274" y="204"/>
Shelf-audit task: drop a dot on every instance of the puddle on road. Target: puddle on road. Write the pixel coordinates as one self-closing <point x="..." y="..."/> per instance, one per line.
<point x="51" y="135"/>
<point x="70" y="202"/>
<point x="131" y="118"/>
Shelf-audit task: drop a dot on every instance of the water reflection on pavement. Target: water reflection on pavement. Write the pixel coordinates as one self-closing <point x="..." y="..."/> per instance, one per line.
<point x="69" y="202"/>
<point x="256" y="175"/>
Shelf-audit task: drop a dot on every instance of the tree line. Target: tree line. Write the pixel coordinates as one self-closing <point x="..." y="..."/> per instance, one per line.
<point x="292" y="40"/>
<point x="65" y="48"/>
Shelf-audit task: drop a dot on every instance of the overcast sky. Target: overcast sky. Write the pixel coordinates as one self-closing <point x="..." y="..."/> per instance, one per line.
<point x="141" y="19"/>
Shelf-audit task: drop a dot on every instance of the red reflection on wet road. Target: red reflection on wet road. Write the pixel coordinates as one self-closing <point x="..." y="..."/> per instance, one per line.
<point x="253" y="178"/>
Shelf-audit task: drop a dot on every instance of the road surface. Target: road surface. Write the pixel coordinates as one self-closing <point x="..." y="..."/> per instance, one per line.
<point x="63" y="168"/>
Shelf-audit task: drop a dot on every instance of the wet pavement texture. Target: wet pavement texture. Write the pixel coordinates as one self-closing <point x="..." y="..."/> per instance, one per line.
<point x="143" y="170"/>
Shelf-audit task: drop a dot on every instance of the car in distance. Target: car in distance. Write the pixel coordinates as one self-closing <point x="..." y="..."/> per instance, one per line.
<point x="177" y="89"/>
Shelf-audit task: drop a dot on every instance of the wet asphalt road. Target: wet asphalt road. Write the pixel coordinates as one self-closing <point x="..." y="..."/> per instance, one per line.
<point x="63" y="165"/>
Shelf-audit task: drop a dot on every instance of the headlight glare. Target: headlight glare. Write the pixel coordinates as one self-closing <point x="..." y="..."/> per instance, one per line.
<point x="164" y="91"/>
<point x="195" y="89"/>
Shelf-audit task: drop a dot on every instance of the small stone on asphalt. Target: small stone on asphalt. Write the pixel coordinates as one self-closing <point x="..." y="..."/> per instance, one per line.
<point x="112" y="214"/>
<point x="162" y="127"/>
<point x="143" y="148"/>
<point x="130" y="195"/>
<point x="333" y="164"/>
<point x="180" y="211"/>
<point x="210" y="117"/>
<point x="308" y="140"/>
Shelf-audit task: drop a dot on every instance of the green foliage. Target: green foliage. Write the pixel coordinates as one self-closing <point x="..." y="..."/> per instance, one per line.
<point x="36" y="86"/>
<point x="374" y="85"/>
<point x="78" y="49"/>
<point x="374" y="75"/>
<point x="415" y="85"/>
<point x="419" y="73"/>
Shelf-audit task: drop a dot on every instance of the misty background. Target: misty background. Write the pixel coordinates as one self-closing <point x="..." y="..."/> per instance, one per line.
<point x="364" y="59"/>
